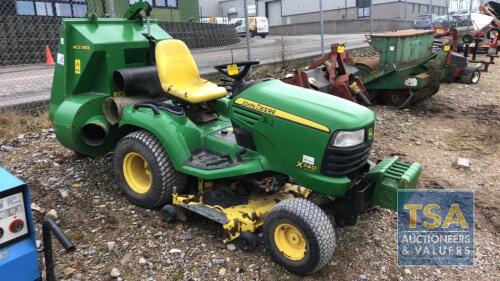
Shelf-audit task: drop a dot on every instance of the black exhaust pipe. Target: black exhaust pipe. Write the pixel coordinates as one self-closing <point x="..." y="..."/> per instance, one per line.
<point x="143" y="81"/>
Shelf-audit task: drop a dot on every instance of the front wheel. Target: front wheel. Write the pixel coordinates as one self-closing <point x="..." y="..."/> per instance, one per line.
<point x="470" y="75"/>
<point x="299" y="236"/>
<point x="144" y="171"/>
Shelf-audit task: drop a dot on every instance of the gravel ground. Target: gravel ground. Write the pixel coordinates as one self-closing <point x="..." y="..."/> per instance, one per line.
<point x="118" y="241"/>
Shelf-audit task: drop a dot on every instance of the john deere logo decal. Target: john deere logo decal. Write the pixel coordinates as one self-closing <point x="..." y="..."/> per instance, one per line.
<point x="281" y="114"/>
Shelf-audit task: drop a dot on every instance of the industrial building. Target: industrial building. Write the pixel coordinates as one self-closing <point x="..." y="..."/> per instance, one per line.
<point x="164" y="10"/>
<point x="286" y="12"/>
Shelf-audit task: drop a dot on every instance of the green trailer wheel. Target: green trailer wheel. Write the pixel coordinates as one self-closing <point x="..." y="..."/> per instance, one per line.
<point x="144" y="171"/>
<point x="299" y="236"/>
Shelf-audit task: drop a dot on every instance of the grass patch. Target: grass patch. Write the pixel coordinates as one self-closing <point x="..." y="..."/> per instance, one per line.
<point x="13" y="123"/>
<point x="177" y="275"/>
<point x="279" y="274"/>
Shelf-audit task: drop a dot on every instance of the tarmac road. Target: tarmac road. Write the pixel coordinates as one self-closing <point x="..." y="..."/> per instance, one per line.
<point x="32" y="83"/>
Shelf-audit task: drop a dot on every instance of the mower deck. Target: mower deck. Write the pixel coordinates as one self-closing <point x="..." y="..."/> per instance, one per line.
<point x="236" y="210"/>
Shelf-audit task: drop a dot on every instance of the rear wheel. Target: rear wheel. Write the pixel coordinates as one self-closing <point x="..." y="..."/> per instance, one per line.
<point x="299" y="236"/>
<point x="470" y="75"/>
<point x="144" y="171"/>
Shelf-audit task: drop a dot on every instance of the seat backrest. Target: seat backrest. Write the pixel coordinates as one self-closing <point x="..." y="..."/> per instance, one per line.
<point x="176" y="65"/>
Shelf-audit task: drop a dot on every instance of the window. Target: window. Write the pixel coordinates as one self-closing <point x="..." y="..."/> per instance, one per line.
<point x="79" y="10"/>
<point x="63" y="10"/>
<point x="172" y="3"/>
<point x="25" y="8"/>
<point x="363" y="8"/>
<point x="60" y="8"/>
<point x="364" y="12"/>
<point x="44" y="9"/>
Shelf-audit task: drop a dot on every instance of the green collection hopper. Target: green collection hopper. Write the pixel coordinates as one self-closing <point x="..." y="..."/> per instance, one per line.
<point x="404" y="71"/>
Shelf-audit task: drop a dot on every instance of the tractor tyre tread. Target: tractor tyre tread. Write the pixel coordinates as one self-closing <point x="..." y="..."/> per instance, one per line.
<point x="316" y="225"/>
<point x="169" y="177"/>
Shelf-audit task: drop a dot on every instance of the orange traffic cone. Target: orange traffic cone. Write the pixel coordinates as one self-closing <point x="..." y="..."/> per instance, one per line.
<point x="48" y="54"/>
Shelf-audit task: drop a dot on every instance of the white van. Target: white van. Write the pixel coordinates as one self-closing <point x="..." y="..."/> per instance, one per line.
<point x="216" y="20"/>
<point x="259" y="26"/>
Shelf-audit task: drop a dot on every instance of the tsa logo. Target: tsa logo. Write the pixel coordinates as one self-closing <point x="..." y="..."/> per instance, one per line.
<point x="435" y="227"/>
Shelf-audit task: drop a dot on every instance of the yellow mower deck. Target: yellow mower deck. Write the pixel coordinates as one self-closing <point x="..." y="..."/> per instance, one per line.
<point x="238" y="218"/>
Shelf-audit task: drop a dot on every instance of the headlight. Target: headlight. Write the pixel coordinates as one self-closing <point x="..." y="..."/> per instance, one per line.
<point x="349" y="138"/>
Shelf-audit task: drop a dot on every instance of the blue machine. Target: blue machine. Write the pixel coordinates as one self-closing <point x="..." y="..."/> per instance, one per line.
<point x="18" y="253"/>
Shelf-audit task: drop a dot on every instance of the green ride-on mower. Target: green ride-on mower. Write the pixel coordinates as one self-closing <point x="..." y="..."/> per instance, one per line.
<point x="263" y="156"/>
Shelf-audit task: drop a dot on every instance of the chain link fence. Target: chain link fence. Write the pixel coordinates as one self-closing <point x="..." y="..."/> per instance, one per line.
<point x="29" y="37"/>
<point x="215" y="30"/>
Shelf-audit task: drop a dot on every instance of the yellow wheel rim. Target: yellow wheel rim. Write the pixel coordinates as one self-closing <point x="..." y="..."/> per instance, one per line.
<point x="137" y="173"/>
<point x="290" y="241"/>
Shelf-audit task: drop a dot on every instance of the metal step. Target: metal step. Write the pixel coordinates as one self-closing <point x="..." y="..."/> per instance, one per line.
<point x="204" y="210"/>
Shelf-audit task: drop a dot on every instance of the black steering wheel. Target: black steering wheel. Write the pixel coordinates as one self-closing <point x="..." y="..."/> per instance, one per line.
<point x="223" y="68"/>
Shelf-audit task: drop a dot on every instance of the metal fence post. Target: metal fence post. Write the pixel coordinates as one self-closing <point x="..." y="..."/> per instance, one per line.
<point x="371" y="17"/>
<point x="405" y="7"/>
<point x="470" y="9"/>
<point x="247" y="30"/>
<point x="345" y="6"/>
<point x="448" y="12"/>
<point x="112" y="9"/>
<point x="322" y="27"/>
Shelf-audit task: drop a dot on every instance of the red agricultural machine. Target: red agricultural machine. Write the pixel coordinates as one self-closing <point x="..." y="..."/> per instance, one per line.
<point x="331" y="74"/>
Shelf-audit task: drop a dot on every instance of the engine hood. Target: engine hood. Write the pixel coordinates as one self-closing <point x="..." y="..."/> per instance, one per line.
<point x="309" y="107"/>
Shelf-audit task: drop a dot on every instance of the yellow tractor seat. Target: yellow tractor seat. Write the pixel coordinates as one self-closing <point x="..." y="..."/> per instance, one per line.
<point x="179" y="75"/>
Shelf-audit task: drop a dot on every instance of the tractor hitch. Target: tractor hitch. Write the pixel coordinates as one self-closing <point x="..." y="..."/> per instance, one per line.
<point x="390" y="175"/>
<point x="378" y="187"/>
